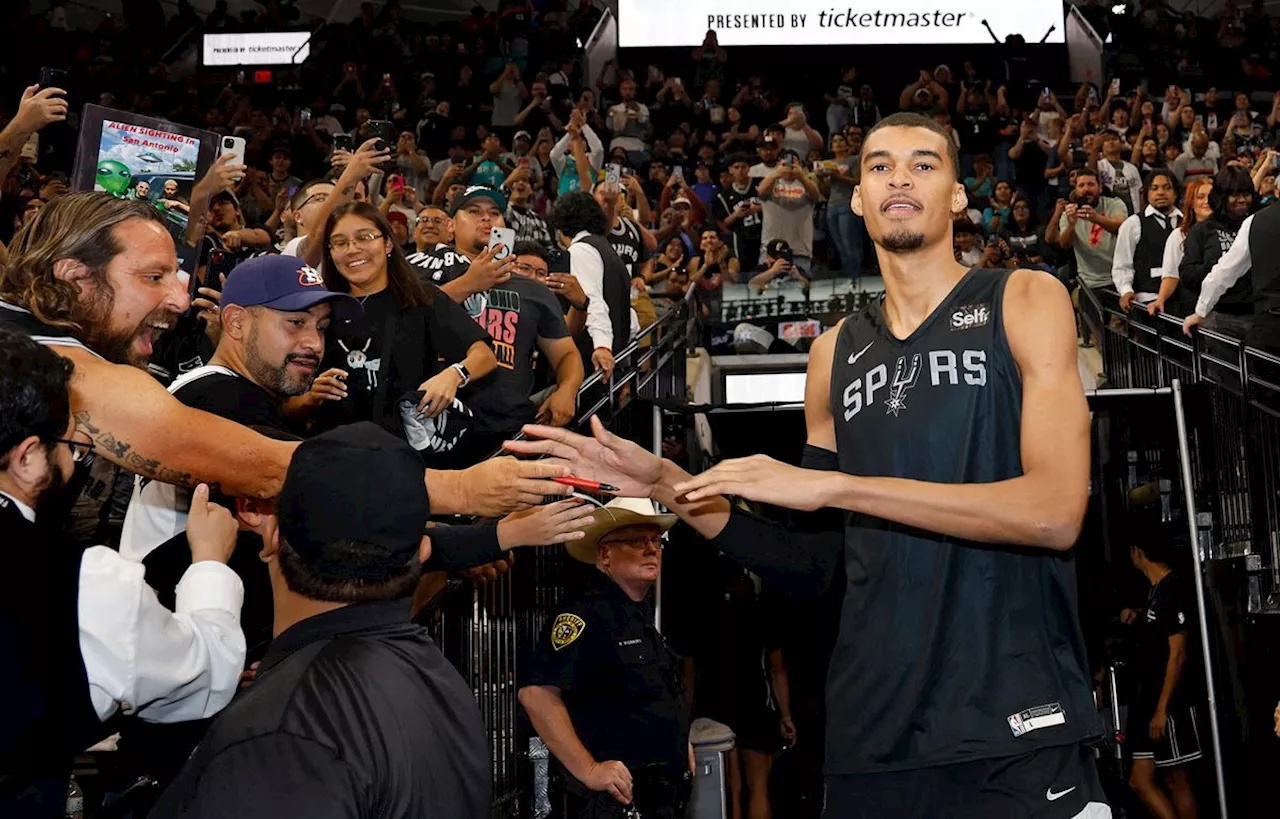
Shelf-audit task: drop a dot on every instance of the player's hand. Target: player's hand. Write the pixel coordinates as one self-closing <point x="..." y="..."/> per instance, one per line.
<point x="330" y="385"/>
<point x="438" y="392"/>
<point x="603" y="362"/>
<point x="211" y="528"/>
<point x="1126" y="301"/>
<point x="208" y="306"/>
<point x="559" y="408"/>
<point x="1191" y="322"/>
<point x="1155" y="307"/>
<point x="486" y="272"/>
<point x="605" y="457"/>
<point x="39" y="107"/>
<point x="558" y="522"/>
<point x="1159" y="725"/>
<point x="612" y="777"/>
<point x="761" y="478"/>
<point x="788" y="730"/>
<point x="1128" y="616"/>
<point x="499" y="486"/>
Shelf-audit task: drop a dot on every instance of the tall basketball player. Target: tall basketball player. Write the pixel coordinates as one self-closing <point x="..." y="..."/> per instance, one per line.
<point x="949" y="421"/>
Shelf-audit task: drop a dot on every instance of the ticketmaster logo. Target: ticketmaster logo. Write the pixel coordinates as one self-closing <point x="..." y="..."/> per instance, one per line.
<point x="840" y="19"/>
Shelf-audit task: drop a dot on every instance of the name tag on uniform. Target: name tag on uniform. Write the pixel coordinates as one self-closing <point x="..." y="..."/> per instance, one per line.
<point x="634" y="642"/>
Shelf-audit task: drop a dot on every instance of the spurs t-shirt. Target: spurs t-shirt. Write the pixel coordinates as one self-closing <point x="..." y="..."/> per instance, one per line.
<point x="515" y="315"/>
<point x="1169" y="612"/>
<point x="424" y="340"/>
<point x="625" y="240"/>
<point x="746" y="231"/>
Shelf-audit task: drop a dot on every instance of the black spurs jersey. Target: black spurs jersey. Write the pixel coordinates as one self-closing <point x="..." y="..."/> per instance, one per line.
<point x="949" y="651"/>
<point x="626" y="241"/>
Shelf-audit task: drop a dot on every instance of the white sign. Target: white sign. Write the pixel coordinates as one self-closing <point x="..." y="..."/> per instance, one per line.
<point x="271" y="48"/>
<point x="863" y="22"/>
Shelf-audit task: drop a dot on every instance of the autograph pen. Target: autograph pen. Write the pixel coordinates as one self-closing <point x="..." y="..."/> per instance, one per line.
<point x="590" y="486"/>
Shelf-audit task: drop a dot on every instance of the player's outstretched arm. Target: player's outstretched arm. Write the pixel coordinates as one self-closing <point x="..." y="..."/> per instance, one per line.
<point x="1042" y="507"/>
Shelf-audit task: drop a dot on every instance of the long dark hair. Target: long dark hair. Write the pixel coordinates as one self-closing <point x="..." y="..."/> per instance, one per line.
<point x="1033" y="224"/>
<point x="402" y="278"/>
<point x="1229" y="182"/>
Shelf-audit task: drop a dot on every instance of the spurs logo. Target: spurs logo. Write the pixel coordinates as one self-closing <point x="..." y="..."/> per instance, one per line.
<point x="903" y="380"/>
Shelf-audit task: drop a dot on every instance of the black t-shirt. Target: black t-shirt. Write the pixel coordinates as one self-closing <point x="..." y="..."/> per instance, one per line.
<point x="1168" y="613"/>
<point x="515" y="314"/>
<point x="978" y="131"/>
<point x="425" y="339"/>
<point x="746" y="231"/>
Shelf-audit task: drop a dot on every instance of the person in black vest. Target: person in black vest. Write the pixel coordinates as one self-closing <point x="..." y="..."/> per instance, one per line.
<point x="959" y="676"/>
<point x="580" y="225"/>
<point x="1254" y="260"/>
<point x="82" y="636"/>
<point x="1139" y="253"/>
<point x="354" y="711"/>
<point x="1232" y="198"/>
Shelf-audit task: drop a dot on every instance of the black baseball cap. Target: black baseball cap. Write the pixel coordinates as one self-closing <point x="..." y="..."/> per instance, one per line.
<point x="354" y="483"/>
<point x="778" y="249"/>
<point x="284" y="283"/>
<point x="478" y="192"/>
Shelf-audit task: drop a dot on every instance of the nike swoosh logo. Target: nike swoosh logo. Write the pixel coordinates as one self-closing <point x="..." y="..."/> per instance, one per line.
<point x="1054" y="797"/>
<point x="853" y="359"/>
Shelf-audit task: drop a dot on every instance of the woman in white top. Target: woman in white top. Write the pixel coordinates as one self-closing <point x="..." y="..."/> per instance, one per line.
<point x="1195" y="208"/>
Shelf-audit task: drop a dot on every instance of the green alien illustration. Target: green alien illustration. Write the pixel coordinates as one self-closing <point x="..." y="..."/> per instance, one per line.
<point x="113" y="177"/>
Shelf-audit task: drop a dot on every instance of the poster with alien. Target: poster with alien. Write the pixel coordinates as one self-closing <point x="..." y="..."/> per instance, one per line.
<point x="148" y="164"/>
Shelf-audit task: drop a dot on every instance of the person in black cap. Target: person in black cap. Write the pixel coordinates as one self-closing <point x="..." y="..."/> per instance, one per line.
<point x="354" y="711"/>
<point x="777" y="265"/>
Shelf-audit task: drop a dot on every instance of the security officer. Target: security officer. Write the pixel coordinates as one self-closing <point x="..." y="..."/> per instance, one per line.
<point x="604" y="689"/>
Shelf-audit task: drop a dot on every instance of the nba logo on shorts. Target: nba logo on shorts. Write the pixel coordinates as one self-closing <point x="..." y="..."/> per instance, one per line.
<point x="1015" y="723"/>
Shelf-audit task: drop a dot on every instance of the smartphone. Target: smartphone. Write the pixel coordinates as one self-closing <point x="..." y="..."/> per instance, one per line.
<point x="291" y="192"/>
<point x="304" y="117"/>
<point x="395" y="182"/>
<point x="524" y="162"/>
<point x="53" y="78"/>
<point x="501" y="242"/>
<point x="233" y="146"/>
<point x="612" y="173"/>
<point x="384" y="130"/>
<point x="1046" y="92"/>
<point x="31" y="148"/>
<point x="240" y="78"/>
<point x="343" y="142"/>
<point x="1093" y="94"/>
<point x="1115" y="86"/>
<point x="678" y="173"/>
<point x="221" y="263"/>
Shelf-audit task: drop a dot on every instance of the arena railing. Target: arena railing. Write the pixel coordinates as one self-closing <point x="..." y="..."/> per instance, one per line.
<point x="487" y="629"/>
<point x="1230" y="395"/>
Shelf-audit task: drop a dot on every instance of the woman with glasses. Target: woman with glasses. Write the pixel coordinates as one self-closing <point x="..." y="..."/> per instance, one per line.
<point x="413" y="343"/>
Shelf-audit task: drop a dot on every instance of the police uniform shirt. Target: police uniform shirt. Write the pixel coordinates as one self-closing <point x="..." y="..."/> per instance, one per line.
<point x="354" y="712"/>
<point x="618" y="678"/>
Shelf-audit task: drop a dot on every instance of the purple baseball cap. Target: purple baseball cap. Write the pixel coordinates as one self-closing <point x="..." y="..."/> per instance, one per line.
<point x="284" y="283"/>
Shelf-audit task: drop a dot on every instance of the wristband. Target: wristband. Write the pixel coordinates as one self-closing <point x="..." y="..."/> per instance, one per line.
<point x="583" y="308"/>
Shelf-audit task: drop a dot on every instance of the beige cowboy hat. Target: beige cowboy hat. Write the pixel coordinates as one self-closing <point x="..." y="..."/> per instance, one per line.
<point x="614" y="515"/>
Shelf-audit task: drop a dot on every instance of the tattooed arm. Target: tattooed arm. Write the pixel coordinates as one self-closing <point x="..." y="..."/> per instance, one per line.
<point x="135" y="423"/>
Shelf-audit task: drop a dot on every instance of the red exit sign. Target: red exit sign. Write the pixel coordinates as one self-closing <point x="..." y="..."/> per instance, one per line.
<point x="262" y="77"/>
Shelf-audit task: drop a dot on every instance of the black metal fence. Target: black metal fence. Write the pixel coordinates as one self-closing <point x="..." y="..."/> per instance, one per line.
<point x="484" y="629"/>
<point x="1232" y="408"/>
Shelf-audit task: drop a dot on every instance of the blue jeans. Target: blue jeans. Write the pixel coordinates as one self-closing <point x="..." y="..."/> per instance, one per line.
<point x="845" y="229"/>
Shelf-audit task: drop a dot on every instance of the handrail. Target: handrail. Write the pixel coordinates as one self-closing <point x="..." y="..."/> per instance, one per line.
<point x="1089" y="30"/>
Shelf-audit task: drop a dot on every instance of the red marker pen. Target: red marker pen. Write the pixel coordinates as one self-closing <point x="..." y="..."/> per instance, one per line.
<point x="590" y="486"/>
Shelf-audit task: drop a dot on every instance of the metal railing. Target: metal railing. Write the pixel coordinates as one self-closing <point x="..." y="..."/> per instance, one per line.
<point x="486" y="629"/>
<point x="1231" y="396"/>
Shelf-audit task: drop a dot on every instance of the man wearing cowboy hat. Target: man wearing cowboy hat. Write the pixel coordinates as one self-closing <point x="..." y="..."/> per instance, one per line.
<point x="604" y="689"/>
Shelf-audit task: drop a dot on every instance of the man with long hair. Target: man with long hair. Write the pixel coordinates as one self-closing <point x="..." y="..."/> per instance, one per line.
<point x="71" y="285"/>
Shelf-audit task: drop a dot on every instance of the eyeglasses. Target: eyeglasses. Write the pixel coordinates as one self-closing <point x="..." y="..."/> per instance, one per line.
<point x="365" y="237"/>
<point x="641" y="542"/>
<point x="80" y="450"/>
<point x="315" y="197"/>
<point x="530" y="270"/>
<point x="432" y="220"/>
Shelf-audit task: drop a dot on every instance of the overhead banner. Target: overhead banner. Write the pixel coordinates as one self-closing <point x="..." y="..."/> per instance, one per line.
<point x="644" y="23"/>
<point x="269" y="48"/>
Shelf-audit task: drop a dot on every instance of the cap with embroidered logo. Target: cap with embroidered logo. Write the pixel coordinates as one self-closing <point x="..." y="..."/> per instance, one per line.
<point x="284" y="283"/>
